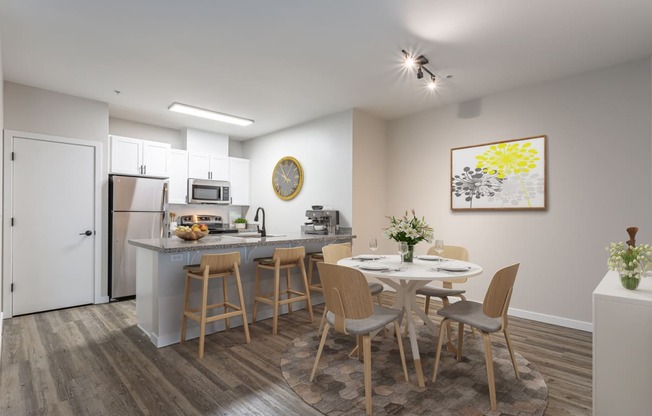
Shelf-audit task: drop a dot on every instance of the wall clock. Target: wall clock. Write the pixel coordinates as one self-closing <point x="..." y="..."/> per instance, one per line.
<point x="287" y="178"/>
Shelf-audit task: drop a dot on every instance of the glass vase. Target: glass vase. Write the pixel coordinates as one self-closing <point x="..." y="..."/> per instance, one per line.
<point x="409" y="256"/>
<point x="630" y="281"/>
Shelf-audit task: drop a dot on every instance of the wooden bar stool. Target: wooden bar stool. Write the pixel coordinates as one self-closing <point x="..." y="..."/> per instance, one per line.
<point x="213" y="266"/>
<point x="313" y="259"/>
<point x="283" y="258"/>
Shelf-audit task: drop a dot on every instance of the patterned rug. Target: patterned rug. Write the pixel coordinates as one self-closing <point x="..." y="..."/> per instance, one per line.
<point x="461" y="388"/>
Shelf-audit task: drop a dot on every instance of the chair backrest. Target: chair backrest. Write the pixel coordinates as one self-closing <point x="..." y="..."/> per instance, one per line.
<point x="453" y="252"/>
<point x="335" y="252"/>
<point x="499" y="294"/>
<point x="289" y="255"/>
<point x="346" y="292"/>
<point x="219" y="263"/>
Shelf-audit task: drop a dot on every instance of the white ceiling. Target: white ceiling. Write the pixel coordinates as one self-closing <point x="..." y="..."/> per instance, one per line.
<point x="284" y="62"/>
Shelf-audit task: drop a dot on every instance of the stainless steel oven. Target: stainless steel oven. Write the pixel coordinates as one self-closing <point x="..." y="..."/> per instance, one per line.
<point x="206" y="191"/>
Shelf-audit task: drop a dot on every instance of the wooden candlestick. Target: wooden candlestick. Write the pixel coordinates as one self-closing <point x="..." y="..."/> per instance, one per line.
<point x="632" y="236"/>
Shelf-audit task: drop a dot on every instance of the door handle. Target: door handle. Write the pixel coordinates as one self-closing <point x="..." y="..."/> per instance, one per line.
<point x="87" y="233"/>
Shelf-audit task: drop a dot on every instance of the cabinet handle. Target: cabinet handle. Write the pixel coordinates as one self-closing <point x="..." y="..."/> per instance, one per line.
<point x="144" y="169"/>
<point x="210" y="175"/>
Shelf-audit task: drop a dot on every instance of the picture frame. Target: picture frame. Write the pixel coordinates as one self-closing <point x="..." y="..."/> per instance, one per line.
<point x="500" y="176"/>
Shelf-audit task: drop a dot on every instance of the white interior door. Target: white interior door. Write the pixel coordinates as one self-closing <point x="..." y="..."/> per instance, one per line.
<point x="53" y="207"/>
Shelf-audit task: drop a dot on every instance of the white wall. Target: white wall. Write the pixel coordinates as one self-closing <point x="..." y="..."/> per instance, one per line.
<point x="128" y="128"/>
<point x="37" y="110"/>
<point x="370" y="158"/>
<point x="599" y="133"/>
<point x="1" y="181"/>
<point x="323" y="147"/>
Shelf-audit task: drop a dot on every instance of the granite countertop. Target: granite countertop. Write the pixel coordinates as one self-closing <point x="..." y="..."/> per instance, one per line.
<point x="216" y="242"/>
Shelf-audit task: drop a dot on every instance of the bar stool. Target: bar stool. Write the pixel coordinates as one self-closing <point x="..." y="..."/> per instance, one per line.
<point x="283" y="258"/>
<point x="213" y="266"/>
<point x="313" y="259"/>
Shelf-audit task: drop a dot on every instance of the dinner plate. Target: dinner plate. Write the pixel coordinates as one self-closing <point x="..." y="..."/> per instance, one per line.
<point x="368" y="257"/>
<point x="428" y="257"/>
<point x="374" y="267"/>
<point x="454" y="268"/>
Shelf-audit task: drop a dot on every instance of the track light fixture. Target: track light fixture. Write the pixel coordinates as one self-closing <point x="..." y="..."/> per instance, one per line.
<point x="419" y="62"/>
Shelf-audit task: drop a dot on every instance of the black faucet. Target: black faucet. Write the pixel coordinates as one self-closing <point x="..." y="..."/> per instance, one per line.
<point x="262" y="231"/>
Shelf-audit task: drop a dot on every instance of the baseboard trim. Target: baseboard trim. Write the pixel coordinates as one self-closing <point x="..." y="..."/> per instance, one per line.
<point x="102" y="299"/>
<point x="550" y="319"/>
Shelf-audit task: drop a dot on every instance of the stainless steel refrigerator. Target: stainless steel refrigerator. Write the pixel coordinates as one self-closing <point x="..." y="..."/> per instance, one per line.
<point x="138" y="210"/>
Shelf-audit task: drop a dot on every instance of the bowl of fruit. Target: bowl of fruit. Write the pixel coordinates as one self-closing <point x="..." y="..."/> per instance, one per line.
<point x="195" y="232"/>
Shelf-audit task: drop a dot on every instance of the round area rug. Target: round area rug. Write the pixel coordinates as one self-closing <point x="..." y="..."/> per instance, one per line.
<point x="461" y="388"/>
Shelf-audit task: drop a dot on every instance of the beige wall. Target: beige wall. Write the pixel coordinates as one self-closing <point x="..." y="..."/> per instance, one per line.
<point x="599" y="133"/>
<point x="36" y="110"/>
<point x="370" y="159"/>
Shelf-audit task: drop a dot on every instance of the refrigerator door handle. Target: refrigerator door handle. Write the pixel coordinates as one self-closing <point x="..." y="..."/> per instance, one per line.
<point x="164" y="218"/>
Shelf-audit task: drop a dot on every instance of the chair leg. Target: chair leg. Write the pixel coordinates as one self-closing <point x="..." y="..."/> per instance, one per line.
<point x="511" y="353"/>
<point x="324" y="334"/>
<point x="380" y="303"/>
<point x="302" y="268"/>
<point x="399" y="339"/>
<point x="427" y="304"/>
<point x="202" y="322"/>
<point x="472" y="328"/>
<point x="225" y="291"/>
<point x="256" y="291"/>
<point x="440" y="343"/>
<point x="288" y="285"/>
<point x="460" y="340"/>
<point x="490" y="369"/>
<point x="277" y="284"/>
<point x="449" y="333"/>
<point x="238" y="283"/>
<point x="323" y="319"/>
<point x="184" y="319"/>
<point x="366" y="346"/>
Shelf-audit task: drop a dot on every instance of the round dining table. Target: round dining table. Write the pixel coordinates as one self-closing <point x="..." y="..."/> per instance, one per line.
<point x="405" y="279"/>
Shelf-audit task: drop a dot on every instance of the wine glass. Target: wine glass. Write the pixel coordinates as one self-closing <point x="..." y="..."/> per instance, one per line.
<point x="402" y="250"/>
<point x="439" y="248"/>
<point x="373" y="246"/>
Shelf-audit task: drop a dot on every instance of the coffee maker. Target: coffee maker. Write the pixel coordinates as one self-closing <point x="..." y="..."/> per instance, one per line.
<point x="322" y="221"/>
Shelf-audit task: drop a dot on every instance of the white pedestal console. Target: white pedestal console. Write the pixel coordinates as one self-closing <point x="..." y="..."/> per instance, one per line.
<point x="622" y="348"/>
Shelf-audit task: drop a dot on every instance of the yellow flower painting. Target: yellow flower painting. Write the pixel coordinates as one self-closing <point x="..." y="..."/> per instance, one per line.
<point x="501" y="175"/>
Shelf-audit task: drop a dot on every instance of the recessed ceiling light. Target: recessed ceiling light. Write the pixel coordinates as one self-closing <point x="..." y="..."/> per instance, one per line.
<point x="212" y="115"/>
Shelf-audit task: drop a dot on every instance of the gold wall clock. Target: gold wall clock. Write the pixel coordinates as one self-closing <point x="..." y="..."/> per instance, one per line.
<point x="287" y="178"/>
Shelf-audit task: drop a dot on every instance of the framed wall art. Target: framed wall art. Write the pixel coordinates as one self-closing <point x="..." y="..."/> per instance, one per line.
<point x="507" y="175"/>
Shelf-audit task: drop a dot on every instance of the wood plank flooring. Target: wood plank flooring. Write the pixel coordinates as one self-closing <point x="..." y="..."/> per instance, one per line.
<point x="93" y="360"/>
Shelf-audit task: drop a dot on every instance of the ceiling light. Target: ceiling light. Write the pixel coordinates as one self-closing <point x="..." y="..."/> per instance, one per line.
<point x="212" y="115"/>
<point x="420" y="62"/>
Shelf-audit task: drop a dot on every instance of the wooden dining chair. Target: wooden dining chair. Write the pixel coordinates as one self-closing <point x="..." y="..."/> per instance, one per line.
<point x="488" y="317"/>
<point x="336" y="252"/>
<point x="351" y="312"/>
<point x="446" y="290"/>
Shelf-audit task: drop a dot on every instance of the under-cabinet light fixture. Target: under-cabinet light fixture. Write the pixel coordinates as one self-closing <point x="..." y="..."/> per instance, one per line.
<point x="212" y="115"/>
<point x="420" y="63"/>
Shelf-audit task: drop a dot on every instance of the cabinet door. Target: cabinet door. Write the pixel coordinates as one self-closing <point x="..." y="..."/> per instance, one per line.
<point x="156" y="157"/>
<point x="239" y="178"/>
<point x="198" y="165"/>
<point x="219" y="168"/>
<point x="178" y="176"/>
<point x="126" y="155"/>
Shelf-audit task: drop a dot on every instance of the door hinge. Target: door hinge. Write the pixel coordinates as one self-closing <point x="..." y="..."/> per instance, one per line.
<point x="12" y="287"/>
<point x="13" y="155"/>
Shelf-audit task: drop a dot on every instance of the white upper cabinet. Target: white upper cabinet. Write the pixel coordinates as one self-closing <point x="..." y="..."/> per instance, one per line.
<point x="239" y="178"/>
<point x="178" y="176"/>
<point x="139" y="157"/>
<point x="207" y="166"/>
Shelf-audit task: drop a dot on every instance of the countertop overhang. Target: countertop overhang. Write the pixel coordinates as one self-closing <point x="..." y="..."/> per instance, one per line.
<point x="216" y="242"/>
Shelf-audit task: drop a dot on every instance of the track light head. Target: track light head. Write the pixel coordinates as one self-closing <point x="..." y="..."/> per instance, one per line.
<point x="419" y="62"/>
<point x="419" y="73"/>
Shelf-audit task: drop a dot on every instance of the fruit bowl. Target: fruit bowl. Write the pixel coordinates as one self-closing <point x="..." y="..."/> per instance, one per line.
<point x="187" y="233"/>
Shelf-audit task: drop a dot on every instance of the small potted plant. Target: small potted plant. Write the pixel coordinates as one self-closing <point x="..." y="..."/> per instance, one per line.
<point x="629" y="260"/>
<point x="240" y="223"/>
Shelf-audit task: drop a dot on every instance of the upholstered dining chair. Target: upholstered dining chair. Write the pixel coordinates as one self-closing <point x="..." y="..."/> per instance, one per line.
<point x="336" y="252"/>
<point x="351" y="312"/>
<point x="446" y="290"/>
<point x="488" y="317"/>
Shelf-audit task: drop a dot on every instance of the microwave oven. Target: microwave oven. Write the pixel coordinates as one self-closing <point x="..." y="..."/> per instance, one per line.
<point x="206" y="191"/>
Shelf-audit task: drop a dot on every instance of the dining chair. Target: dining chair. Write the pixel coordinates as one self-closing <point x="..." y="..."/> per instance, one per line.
<point x="351" y="312"/>
<point x="333" y="253"/>
<point x="488" y="317"/>
<point x="213" y="266"/>
<point x="446" y="290"/>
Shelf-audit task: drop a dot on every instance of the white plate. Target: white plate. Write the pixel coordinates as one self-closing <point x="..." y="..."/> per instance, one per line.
<point x="374" y="267"/>
<point x="454" y="268"/>
<point x="368" y="257"/>
<point x="428" y="257"/>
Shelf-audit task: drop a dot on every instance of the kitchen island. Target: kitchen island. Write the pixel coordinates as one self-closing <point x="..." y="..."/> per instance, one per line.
<point x="160" y="278"/>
